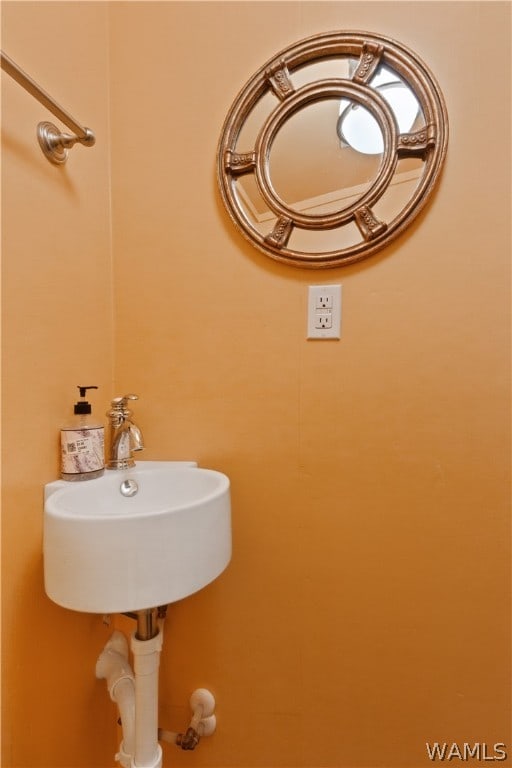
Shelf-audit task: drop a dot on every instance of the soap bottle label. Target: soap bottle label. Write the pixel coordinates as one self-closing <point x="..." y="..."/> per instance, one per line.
<point x="82" y="450"/>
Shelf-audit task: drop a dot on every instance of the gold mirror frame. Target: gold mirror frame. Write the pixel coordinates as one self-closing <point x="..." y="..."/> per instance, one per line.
<point x="276" y="78"/>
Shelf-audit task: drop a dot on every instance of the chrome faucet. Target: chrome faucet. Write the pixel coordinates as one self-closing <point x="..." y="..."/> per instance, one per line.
<point x="124" y="435"/>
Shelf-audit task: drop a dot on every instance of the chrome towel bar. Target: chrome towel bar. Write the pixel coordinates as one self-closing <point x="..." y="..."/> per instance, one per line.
<point x="53" y="143"/>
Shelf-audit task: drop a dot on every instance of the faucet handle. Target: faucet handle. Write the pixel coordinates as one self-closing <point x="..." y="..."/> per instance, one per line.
<point x="120" y="403"/>
<point x="119" y="408"/>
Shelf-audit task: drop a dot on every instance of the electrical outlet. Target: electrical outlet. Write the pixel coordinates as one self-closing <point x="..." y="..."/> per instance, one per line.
<point x="323" y="321"/>
<point x="324" y="312"/>
<point x="323" y="300"/>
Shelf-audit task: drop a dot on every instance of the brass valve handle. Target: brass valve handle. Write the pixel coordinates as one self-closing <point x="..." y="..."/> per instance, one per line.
<point x="122" y="402"/>
<point x="119" y="408"/>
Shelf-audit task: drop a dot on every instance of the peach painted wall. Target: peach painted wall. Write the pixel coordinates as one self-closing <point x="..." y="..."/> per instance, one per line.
<point x="365" y="610"/>
<point x="57" y="333"/>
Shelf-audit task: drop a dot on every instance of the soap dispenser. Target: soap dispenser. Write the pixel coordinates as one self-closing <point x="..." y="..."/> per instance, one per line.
<point x="82" y="443"/>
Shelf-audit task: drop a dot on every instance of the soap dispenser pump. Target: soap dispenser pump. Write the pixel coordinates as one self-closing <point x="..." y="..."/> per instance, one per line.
<point x="82" y="443"/>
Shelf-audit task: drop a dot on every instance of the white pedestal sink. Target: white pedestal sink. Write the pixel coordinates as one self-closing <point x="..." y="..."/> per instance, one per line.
<point x="105" y="552"/>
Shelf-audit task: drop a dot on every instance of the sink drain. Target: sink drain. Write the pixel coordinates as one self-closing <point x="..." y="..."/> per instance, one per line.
<point x="128" y="488"/>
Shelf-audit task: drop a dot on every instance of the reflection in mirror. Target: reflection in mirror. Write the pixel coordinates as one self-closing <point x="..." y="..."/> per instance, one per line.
<point x="307" y="165"/>
<point x="332" y="148"/>
<point x="314" y="70"/>
<point x="256" y="117"/>
<point x="357" y="128"/>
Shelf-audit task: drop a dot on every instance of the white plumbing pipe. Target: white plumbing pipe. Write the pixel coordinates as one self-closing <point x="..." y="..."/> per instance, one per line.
<point x="124" y="695"/>
<point x="169" y="736"/>
<point x="113" y="666"/>
<point x="146" y="661"/>
<point x="137" y="698"/>
<point x="202" y="704"/>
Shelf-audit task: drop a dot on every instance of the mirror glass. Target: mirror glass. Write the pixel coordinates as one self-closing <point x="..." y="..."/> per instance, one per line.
<point x="332" y="148"/>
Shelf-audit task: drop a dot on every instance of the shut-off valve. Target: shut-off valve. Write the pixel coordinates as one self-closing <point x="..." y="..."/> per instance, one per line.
<point x="203" y="722"/>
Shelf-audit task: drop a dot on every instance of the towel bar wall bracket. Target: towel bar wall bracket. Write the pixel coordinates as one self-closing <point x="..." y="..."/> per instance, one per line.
<point x="54" y="143"/>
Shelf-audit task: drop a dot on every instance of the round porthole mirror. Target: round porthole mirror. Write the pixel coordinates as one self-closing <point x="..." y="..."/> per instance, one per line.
<point x="332" y="148"/>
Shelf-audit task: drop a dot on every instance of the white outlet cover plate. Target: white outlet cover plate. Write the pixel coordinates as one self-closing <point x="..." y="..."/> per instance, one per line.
<point x="319" y="307"/>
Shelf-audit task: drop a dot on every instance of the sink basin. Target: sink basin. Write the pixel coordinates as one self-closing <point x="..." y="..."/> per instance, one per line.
<point x="105" y="552"/>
